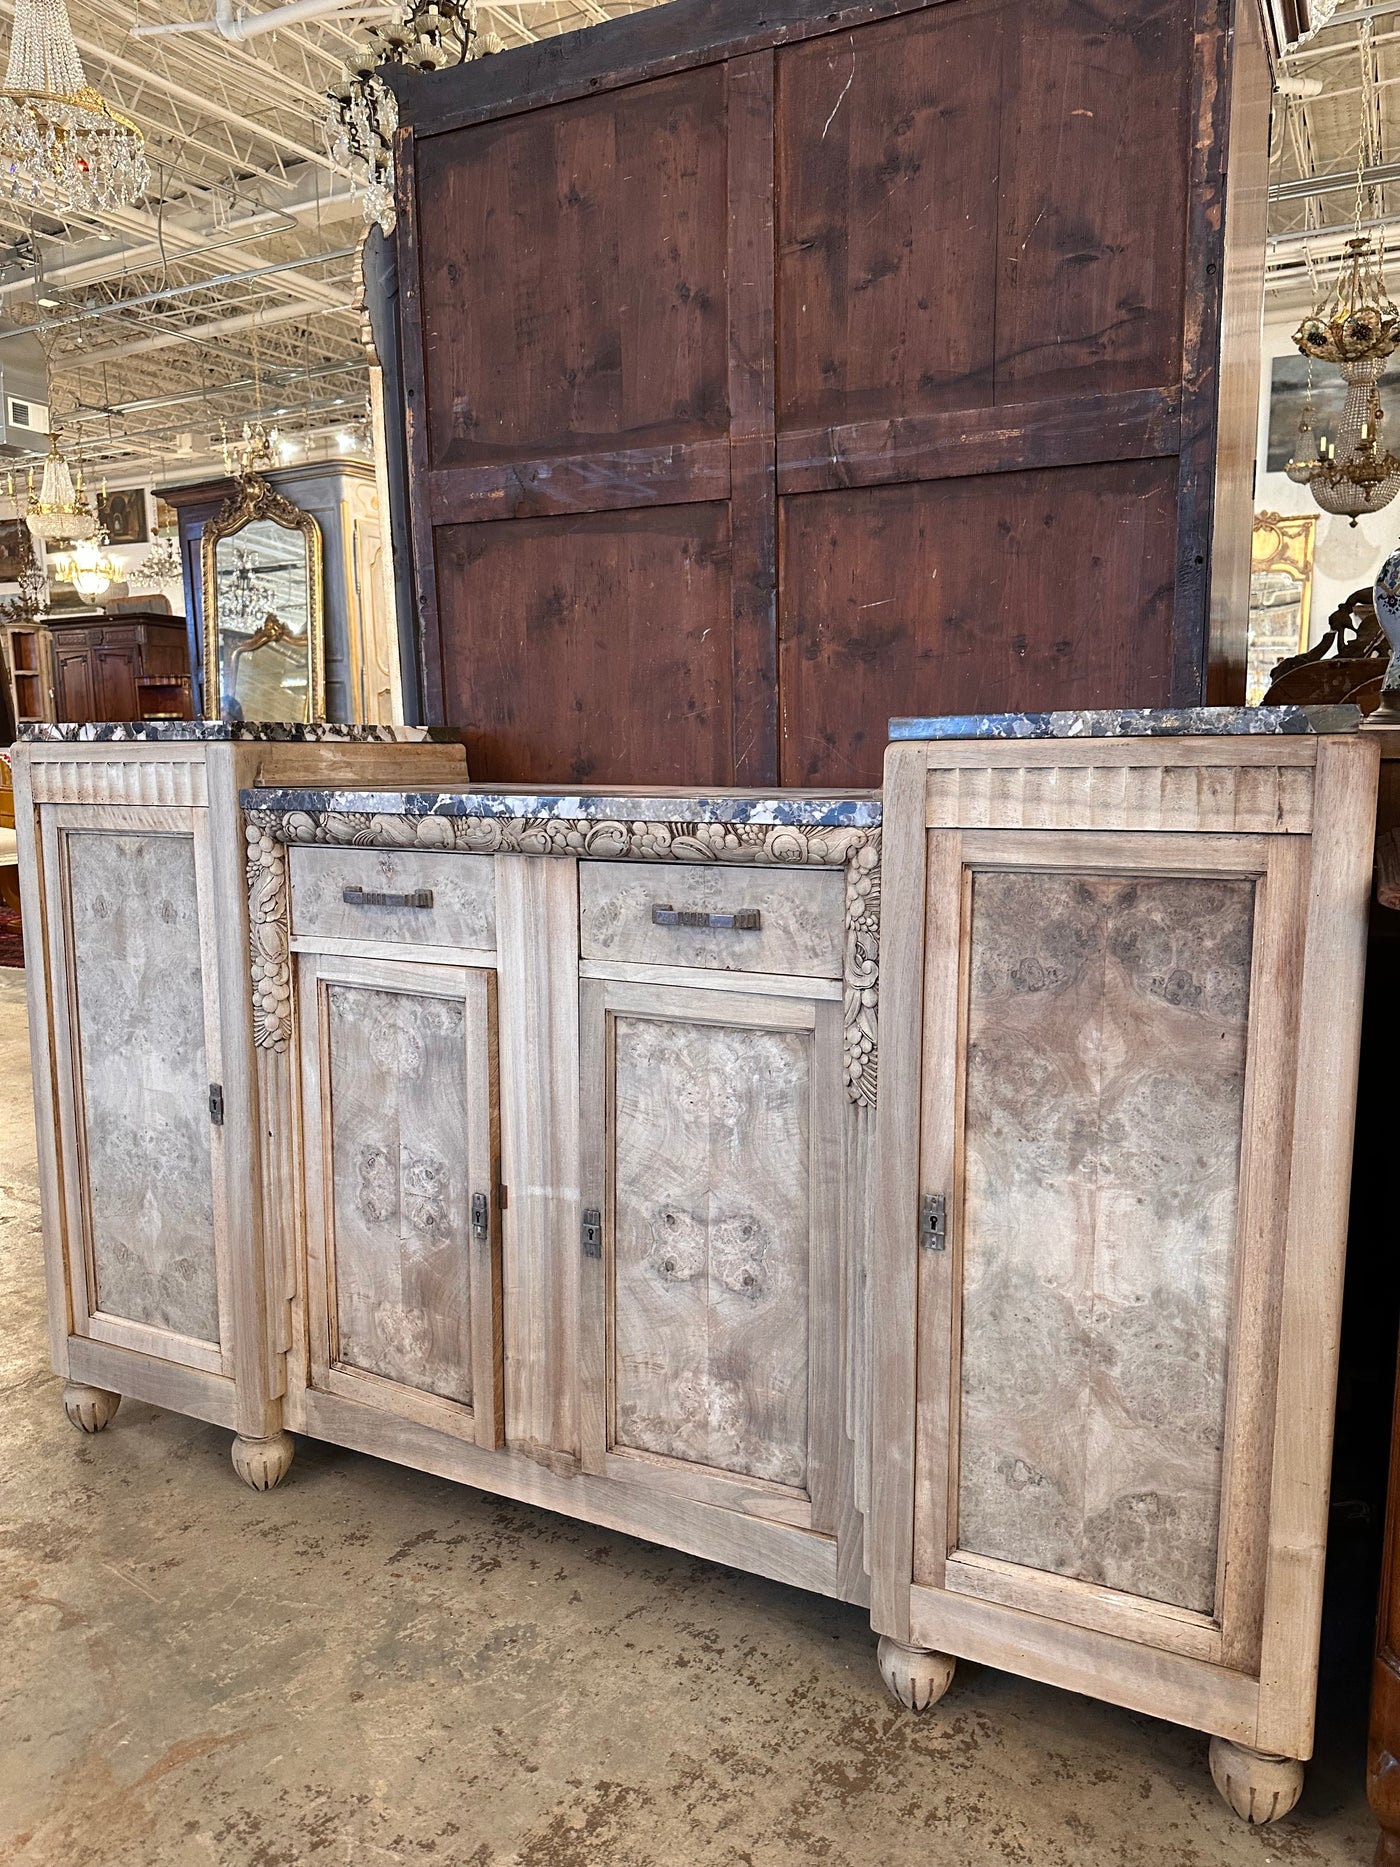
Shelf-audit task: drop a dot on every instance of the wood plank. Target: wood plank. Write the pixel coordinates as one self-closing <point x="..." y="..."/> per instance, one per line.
<point x="483" y="1151"/>
<point x="947" y="904"/>
<point x="36" y="885"/>
<point x="887" y="186"/>
<point x="1154" y="795"/>
<point x="672" y="473"/>
<point x="537" y="924"/>
<point x="154" y="1380"/>
<point x="830" y="1474"/>
<point x="797" y="1557"/>
<point x="1103" y="1666"/>
<point x="1152" y="852"/>
<point x="1084" y="1604"/>
<point x="1324" y="1110"/>
<point x="582" y="63"/>
<point x="1063" y="431"/>
<point x="886" y="608"/>
<point x="597" y="1180"/>
<point x="1208" y="129"/>
<point x="770" y="984"/>
<point x="754" y="1497"/>
<point x="753" y="537"/>
<point x="1239" y="371"/>
<point x="408" y="249"/>
<point x="1270" y="1086"/>
<point x="894" y="1247"/>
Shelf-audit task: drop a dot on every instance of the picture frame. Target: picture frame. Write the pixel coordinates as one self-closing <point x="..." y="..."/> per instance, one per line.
<point x="124" y="517"/>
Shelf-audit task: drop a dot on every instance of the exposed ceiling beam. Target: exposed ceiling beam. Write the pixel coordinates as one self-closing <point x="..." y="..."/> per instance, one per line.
<point x="213" y="330"/>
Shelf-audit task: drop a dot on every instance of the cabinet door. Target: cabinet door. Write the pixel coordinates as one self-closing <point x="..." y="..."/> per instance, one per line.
<point x="136" y="1049"/>
<point x="1126" y="1214"/>
<point x="73" y="678"/>
<point x="115" y="680"/>
<point x="402" y="1183"/>
<point x="712" y="1138"/>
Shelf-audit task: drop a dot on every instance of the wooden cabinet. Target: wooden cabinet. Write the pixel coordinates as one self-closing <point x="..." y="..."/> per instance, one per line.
<point x="1121" y="1009"/>
<point x="147" y="1099"/>
<point x="119" y="668"/>
<point x="641" y="1067"/>
<point x="398" y="1080"/>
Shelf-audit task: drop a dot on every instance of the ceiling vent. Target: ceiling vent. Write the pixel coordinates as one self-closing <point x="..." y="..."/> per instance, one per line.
<point x="24" y="392"/>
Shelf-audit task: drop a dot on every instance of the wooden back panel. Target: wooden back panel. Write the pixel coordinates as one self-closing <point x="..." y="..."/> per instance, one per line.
<point x="767" y="377"/>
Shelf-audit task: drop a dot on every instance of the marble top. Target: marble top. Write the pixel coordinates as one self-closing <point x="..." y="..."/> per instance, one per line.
<point x="281" y="732"/>
<point x="854" y="810"/>
<point x="1133" y="723"/>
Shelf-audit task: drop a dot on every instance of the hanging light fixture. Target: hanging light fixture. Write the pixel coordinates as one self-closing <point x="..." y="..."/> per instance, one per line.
<point x="1356" y="325"/>
<point x="59" y="138"/>
<point x="63" y="511"/>
<point x="362" y="113"/>
<point x="88" y="568"/>
<point x="161" y="564"/>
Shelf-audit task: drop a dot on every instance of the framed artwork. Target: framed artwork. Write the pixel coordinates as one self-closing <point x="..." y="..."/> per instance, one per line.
<point x="167" y="518"/>
<point x="13" y="549"/>
<point x="1280" y="595"/>
<point x="122" y="516"/>
<point x="1288" y="392"/>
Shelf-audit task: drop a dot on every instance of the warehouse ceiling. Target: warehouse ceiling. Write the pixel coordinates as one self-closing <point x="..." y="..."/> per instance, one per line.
<point x="231" y="291"/>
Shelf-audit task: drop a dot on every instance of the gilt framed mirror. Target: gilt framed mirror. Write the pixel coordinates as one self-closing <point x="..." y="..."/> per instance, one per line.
<point x="264" y="621"/>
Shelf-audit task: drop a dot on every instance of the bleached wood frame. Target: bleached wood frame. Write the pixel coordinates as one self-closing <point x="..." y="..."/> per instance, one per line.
<point x="552" y="1380"/>
<point x="1298" y="813"/>
<point x="474" y="988"/>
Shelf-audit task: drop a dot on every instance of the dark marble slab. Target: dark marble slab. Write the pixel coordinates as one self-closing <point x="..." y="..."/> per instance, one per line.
<point x="796" y="809"/>
<point x="1133" y="723"/>
<point x="279" y="732"/>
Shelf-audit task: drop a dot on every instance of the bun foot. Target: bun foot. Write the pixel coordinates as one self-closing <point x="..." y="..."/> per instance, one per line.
<point x="89" y="1408"/>
<point x="916" y="1677"/>
<point x="263" y="1463"/>
<point x="1258" y="1787"/>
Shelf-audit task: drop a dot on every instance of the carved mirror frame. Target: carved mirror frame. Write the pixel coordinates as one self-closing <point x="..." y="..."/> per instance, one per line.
<point x="251" y="500"/>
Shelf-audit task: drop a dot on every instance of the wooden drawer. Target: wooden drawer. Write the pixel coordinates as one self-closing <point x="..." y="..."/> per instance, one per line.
<point x="801" y="916"/>
<point x="334" y="897"/>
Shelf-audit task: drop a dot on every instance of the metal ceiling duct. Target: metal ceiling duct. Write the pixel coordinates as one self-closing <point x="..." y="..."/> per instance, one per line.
<point x="24" y="391"/>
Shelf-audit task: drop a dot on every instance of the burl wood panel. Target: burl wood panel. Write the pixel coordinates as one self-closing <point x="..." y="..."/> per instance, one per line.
<point x="1105" y="1077"/>
<point x="712" y="1244"/>
<point x="802" y="918"/>
<point x="594" y="649"/>
<point x="580" y="300"/>
<point x="400" y="1201"/>
<point x="145" y="1079"/>
<point x="463" y="888"/>
<point x="989" y="594"/>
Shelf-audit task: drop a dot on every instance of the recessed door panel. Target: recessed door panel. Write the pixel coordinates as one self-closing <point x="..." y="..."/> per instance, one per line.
<point x="403" y="1222"/>
<point x="1105" y="1063"/>
<point x="143" y="1072"/>
<point x="711" y="1266"/>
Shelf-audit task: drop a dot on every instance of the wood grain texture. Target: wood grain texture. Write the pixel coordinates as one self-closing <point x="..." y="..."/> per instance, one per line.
<point x="537" y="915"/>
<point x="140" y="1028"/>
<point x="463" y="888"/>
<point x="886" y="607"/>
<point x="400" y="1203"/>
<point x="1145" y="791"/>
<point x="1105" y="1073"/>
<point x="802" y="930"/>
<point x="574" y="640"/>
<point x="712" y="1245"/>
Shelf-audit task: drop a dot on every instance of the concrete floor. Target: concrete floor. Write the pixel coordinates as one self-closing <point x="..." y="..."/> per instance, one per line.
<point x="371" y="1666"/>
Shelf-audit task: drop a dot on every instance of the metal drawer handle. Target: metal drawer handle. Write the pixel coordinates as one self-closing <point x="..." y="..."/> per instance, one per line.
<point x="742" y="920"/>
<point x="376" y="898"/>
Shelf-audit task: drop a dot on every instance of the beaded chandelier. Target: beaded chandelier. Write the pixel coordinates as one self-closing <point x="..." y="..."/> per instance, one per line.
<point x="362" y="113"/>
<point x="62" y="512"/>
<point x="59" y="138"/>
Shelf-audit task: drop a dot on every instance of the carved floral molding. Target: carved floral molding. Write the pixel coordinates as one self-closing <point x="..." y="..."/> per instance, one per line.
<point x="857" y="851"/>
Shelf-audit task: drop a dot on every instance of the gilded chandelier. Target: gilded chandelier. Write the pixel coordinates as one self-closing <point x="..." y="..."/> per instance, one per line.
<point x="59" y="138"/>
<point x="62" y="513"/>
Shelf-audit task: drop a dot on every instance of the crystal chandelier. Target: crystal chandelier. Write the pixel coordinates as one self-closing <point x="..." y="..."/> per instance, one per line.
<point x="59" y="138"/>
<point x="1354" y="475"/>
<point x="1356" y="321"/>
<point x="161" y="564"/>
<point x="88" y="568"/>
<point x="63" y="511"/>
<point x="362" y="113"/>
<point x="257" y="448"/>
<point x="245" y="595"/>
